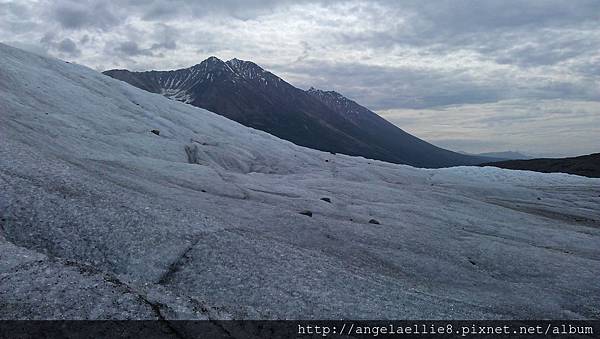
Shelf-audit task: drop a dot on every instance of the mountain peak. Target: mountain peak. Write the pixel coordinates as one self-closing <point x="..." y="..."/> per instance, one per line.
<point x="213" y="58"/>
<point x="322" y="94"/>
<point x="253" y="72"/>
<point x="211" y="62"/>
<point x="236" y="61"/>
<point x="317" y="91"/>
<point x="243" y="66"/>
<point x="324" y="120"/>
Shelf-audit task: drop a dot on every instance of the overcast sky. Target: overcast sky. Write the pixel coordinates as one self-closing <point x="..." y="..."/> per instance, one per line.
<point x="472" y="76"/>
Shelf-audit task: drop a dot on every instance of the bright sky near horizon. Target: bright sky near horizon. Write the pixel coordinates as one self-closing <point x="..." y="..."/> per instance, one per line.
<point x="472" y="76"/>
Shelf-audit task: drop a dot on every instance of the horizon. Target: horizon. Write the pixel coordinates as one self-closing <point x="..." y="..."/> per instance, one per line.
<point x="470" y="77"/>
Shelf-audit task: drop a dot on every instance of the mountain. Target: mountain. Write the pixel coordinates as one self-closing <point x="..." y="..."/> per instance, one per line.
<point x="585" y="165"/>
<point x="116" y="203"/>
<point x="506" y="155"/>
<point x="326" y="121"/>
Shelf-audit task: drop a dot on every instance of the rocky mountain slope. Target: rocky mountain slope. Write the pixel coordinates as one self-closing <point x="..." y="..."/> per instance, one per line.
<point x="327" y="121"/>
<point x="100" y="218"/>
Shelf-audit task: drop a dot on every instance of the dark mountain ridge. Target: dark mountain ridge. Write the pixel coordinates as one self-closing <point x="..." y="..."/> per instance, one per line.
<point x="585" y="165"/>
<point x="323" y="120"/>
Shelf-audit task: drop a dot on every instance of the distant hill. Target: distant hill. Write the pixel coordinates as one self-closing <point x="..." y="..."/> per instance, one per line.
<point x="507" y="155"/>
<point x="585" y="165"/>
<point x="323" y="120"/>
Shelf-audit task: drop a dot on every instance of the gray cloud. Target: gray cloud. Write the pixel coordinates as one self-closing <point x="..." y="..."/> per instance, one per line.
<point x="131" y="48"/>
<point x="465" y="16"/>
<point x="170" y="44"/>
<point x="84" y="14"/>
<point x="540" y="128"/>
<point x="401" y="56"/>
<point x="67" y="46"/>
<point x="84" y="39"/>
<point x="166" y="37"/>
<point x="14" y="9"/>
<point x="63" y="47"/>
<point x="391" y="87"/>
<point x="16" y="17"/>
<point x="524" y="33"/>
<point x="239" y="9"/>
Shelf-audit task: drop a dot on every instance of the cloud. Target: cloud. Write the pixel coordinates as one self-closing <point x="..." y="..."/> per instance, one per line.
<point x="84" y="39"/>
<point x="67" y="46"/>
<point x="131" y="48"/>
<point x="438" y="57"/>
<point x="170" y="44"/>
<point x="165" y="36"/>
<point x="386" y="87"/>
<point x="540" y="128"/>
<point x="84" y="14"/>
<point x="238" y="9"/>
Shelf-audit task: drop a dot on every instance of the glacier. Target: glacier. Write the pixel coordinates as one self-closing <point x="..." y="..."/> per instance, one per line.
<point x="102" y="219"/>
